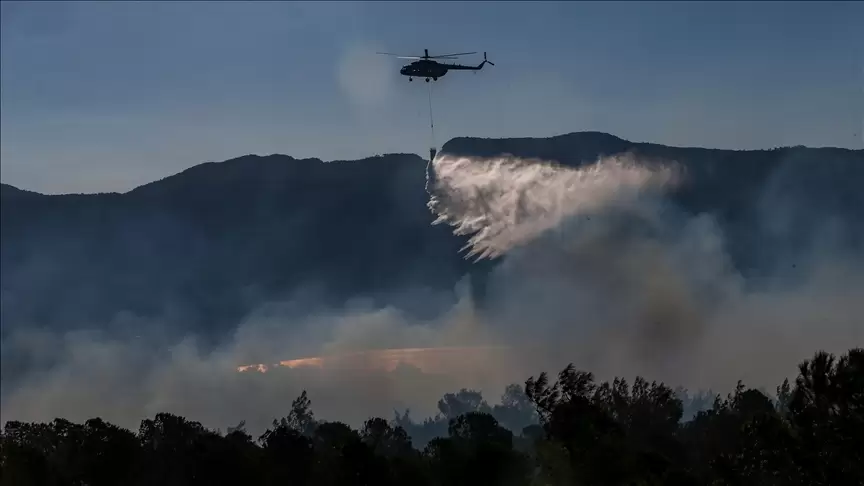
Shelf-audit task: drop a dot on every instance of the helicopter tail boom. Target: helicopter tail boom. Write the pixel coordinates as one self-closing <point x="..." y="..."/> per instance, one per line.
<point x="478" y="67"/>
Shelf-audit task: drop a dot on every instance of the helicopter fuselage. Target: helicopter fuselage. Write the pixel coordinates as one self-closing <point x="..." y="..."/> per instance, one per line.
<point x="424" y="69"/>
<point x="428" y="68"/>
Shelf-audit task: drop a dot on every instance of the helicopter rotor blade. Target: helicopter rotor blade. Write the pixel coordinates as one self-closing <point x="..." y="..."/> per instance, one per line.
<point x="452" y="55"/>
<point x="403" y="57"/>
<point x="391" y="54"/>
<point x="430" y="57"/>
<point x="442" y="56"/>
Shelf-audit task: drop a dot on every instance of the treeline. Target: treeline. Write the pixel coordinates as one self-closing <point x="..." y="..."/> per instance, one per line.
<point x="573" y="431"/>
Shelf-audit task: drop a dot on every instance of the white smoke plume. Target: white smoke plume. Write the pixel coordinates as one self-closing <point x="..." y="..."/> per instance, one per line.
<point x="603" y="270"/>
<point x="127" y="381"/>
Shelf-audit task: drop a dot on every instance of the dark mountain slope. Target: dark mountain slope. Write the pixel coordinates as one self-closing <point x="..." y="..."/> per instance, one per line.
<point x="199" y="249"/>
<point x="209" y="243"/>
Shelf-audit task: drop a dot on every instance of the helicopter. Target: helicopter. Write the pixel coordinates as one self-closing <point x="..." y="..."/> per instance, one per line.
<point x="426" y="65"/>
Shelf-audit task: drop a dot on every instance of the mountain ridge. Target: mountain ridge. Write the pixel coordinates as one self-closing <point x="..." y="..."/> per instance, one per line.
<point x="474" y="146"/>
<point x="209" y="244"/>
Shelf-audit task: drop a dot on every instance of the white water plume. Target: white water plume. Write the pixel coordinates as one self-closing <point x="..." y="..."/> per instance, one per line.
<point x="605" y="268"/>
<point x="507" y="201"/>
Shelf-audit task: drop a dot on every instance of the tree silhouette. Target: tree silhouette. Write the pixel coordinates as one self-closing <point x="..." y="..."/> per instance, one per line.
<point x="516" y="410"/>
<point x="300" y="418"/>
<point x="287" y="456"/>
<point x="453" y="405"/>
<point x="477" y="451"/>
<point x="611" y="433"/>
<point x="827" y="408"/>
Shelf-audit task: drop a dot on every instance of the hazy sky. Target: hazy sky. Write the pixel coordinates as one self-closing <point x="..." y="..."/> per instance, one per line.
<point x="105" y="96"/>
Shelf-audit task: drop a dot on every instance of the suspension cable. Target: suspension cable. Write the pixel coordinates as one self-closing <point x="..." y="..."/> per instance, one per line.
<point x="431" y="120"/>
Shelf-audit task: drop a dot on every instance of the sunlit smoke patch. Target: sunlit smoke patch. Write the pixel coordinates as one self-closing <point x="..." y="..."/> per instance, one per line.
<point x="261" y="368"/>
<point x="428" y="360"/>
<point x="507" y="201"/>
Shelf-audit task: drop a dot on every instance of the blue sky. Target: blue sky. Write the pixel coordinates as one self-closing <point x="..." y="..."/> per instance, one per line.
<point x="105" y="96"/>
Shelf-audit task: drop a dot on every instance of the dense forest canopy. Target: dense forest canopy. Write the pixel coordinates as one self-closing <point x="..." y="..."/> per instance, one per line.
<point x="570" y="430"/>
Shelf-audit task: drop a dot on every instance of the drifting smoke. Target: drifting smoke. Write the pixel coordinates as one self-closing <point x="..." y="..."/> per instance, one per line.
<point x="602" y="269"/>
<point x="599" y="268"/>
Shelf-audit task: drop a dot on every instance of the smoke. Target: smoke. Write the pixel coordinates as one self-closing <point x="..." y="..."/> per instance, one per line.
<point x="602" y="268"/>
<point x="125" y="381"/>
<point x="364" y="77"/>
<point x="598" y="267"/>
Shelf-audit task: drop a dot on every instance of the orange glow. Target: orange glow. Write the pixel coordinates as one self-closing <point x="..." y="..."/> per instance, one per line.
<point x="426" y="359"/>
<point x="262" y="368"/>
<point x="303" y="363"/>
